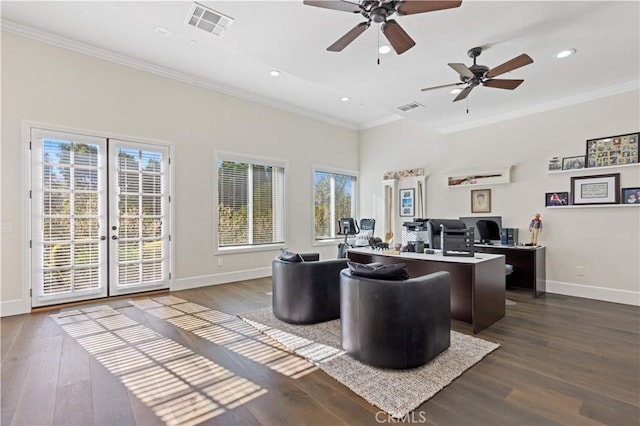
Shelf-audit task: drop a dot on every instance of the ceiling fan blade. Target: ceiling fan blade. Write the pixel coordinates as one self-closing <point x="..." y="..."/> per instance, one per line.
<point x="398" y="38"/>
<point x="409" y="7"/>
<point x="517" y="62"/>
<point x="465" y="92"/>
<point x="346" y="39"/>
<point x="503" y="84"/>
<point x="440" y="87"/>
<point x="462" y="69"/>
<point x="335" y="5"/>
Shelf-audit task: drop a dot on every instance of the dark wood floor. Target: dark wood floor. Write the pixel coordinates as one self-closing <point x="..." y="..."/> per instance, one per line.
<point x="563" y="360"/>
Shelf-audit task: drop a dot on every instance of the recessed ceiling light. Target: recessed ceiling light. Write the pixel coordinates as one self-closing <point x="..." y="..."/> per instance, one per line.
<point x="565" y="53"/>
<point x="384" y="49"/>
<point x="456" y="91"/>
<point x="274" y="73"/>
<point x="193" y="42"/>
<point x="163" y="31"/>
<point x="345" y="99"/>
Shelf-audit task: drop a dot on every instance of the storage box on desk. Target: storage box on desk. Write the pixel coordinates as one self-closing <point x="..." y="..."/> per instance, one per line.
<point x="509" y="236"/>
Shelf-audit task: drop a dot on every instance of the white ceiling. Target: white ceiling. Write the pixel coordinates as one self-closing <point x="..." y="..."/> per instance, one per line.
<point x="292" y="37"/>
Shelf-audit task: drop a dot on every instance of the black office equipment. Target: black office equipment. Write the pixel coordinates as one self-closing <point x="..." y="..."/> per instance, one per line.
<point x="347" y="227"/>
<point x="457" y="242"/>
<point x="433" y="230"/>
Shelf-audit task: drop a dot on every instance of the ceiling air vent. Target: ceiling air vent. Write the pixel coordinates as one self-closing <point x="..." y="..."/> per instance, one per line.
<point x="410" y="106"/>
<point x="208" y="20"/>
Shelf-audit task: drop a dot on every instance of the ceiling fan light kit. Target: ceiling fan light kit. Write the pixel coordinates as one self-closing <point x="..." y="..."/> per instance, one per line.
<point x="378" y="11"/>
<point x="565" y="53"/>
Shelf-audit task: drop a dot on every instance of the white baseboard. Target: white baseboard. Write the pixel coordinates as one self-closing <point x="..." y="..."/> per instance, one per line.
<point x="13" y="307"/>
<point x="594" y="292"/>
<point x="223" y="278"/>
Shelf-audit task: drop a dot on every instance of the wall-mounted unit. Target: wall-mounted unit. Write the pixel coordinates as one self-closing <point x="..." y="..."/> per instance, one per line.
<point x="479" y="177"/>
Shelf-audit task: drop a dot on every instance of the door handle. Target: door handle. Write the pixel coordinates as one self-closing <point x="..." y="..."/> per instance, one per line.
<point x="103" y="237"/>
<point x="114" y="237"/>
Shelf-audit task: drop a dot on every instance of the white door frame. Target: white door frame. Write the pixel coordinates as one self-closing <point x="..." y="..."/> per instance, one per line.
<point x="27" y="232"/>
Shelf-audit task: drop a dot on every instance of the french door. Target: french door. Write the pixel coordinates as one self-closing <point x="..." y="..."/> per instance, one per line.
<point x="138" y="217"/>
<point x="100" y="217"/>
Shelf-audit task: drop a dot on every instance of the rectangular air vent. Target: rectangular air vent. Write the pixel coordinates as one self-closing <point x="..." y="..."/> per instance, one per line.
<point x="410" y="106"/>
<point x="208" y="20"/>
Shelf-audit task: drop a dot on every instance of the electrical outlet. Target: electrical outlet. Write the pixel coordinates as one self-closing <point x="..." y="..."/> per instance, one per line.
<point x="220" y="261"/>
<point x="580" y="271"/>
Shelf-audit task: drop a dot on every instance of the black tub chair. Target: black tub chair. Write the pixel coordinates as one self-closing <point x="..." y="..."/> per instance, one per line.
<point x="395" y="324"/>
<point x="307" y="291"/>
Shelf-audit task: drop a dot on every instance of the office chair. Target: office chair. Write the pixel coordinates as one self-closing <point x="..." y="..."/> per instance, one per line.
<point x="488" y="230"/>
<point x="367" y="227"/>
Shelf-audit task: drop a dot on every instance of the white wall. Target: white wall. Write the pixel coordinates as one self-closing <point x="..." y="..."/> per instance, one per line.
<point x="53" y="85"/>
<point x="48" y="84"/>
<point x="605" y="240"/>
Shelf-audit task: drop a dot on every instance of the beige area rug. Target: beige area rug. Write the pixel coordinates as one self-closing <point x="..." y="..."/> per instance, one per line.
<point x="397" y="392"/>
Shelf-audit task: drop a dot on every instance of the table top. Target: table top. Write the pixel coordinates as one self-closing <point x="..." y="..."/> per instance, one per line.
<point x="437" y="256"/>
<point x="500" y="246"/>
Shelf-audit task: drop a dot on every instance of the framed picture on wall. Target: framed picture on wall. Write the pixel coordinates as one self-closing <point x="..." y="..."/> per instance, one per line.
<point x="612" y="150"/>
<point x="601" y="189"/>
<point x="573" y="163"/>
<point x="553" y="199"/>
<point x="481" y="201"/>
<point x="631" y="195"/>
<point x="407" y="202"/>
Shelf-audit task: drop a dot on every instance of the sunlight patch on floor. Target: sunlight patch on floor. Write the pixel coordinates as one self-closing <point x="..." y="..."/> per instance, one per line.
<point x="234" y="334"/>
<point x="180" y="386"/>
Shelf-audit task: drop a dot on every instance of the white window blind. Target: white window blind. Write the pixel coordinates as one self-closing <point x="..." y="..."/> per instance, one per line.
<point x="334" y="196"/>
<point x="250" y="203"/>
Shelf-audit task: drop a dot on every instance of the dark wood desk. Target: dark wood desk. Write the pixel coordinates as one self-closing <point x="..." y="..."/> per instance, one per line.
<point x="477" y="283"/>
<point x="529" y="270"/>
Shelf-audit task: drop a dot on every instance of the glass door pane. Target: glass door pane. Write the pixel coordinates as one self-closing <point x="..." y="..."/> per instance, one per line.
<point x="139" y="217"/>
<point x="69" y="246"/>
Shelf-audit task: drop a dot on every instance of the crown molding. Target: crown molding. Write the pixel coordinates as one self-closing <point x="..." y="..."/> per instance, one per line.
<point x="380" y="122"/>
<point x="65" y="43"/>
<point x="548" y="106"/>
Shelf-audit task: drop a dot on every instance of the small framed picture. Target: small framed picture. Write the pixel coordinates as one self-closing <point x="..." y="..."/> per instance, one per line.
<point x="554" y="164"/>
<point x="407" y="203"/>
<point x="481" y="201"/>
<point x="631" y="195"/>
<point x="553" y="199"/>
<point x="573" y="163"/>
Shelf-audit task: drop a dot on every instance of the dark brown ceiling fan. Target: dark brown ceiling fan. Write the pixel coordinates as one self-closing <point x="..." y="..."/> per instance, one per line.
<point x="378" y="12"/>
<point x="476" y="75"/>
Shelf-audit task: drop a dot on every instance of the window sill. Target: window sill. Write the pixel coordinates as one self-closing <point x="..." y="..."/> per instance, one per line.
<point x="247" y="249"/>
<point x="332" y="242"/>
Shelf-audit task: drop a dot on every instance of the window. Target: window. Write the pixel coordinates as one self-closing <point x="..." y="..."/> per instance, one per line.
<point x="250" y="202"/>
<point x="334" y="196"/>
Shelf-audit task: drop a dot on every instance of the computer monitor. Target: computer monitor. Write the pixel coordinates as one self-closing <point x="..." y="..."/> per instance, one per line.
<point x="433" y="230"/>
<point x="484" y="233"/>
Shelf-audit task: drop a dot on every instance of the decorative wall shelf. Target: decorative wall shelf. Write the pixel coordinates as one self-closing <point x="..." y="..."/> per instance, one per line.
<point x="592" y="170"/>
<point x="591" y="206"/>
<point x="461" y="179"/>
